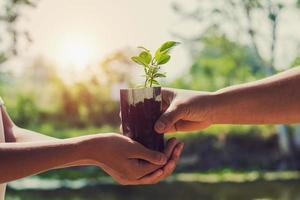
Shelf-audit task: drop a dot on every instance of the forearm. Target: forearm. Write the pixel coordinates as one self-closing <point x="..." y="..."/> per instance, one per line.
<point x="269" y="101"/>
<point x="24" y="159"/>
<point x="24" y="135"/>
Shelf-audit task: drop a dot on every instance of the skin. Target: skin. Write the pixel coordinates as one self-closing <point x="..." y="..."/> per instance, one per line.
<point x="274" y="100"/>
<point x="128" y="162"/>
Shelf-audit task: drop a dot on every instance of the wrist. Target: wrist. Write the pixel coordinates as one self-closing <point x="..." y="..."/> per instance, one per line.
<point x="204" y="106"/>
<point x="218" y="105"/>
<point x="92" y="149"/>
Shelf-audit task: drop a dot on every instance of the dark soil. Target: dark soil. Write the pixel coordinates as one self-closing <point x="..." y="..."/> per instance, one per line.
<point x="138" y="122"/>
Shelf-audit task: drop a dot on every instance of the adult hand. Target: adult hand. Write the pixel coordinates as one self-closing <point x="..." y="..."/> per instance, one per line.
<point x="184" y="110"/>
<point x="173" y="151"/>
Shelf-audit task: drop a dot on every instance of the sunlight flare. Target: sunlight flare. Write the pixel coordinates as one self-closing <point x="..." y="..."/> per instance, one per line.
<point x="76" y="52"/>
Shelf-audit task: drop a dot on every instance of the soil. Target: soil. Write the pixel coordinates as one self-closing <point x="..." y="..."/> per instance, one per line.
<point x="138" y="122"/>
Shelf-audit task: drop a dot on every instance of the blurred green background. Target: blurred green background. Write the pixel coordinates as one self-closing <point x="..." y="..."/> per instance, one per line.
<point x="68" y="87"/>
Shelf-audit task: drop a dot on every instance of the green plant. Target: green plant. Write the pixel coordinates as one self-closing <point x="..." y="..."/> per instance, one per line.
<point x="152" y="63"/>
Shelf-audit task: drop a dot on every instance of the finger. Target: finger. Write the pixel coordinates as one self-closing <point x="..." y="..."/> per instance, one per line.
<point x="183" y="125"/>
<point x="170" y="167"/>
<point x="151" y="178"/>
<point x="121" y="128"/>
<point x="171" y="144"/>
<point x="6" y="118"/>
<point x="154" y="157"/>
<point x="167" y="96"/>
<point x="168" y="118"/>
<point x="177" y="152"/>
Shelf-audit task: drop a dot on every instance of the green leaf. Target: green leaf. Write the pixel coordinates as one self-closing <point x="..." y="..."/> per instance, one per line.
<point x="163" y="59"/>
<point x="139" y="61"/>
<point x="168" y="45"/>
<point x="164" y="49"/>
<point x="154" y="82"/>
<point x="145" y="57"/>
<point x="152" y="65"/>
<point x="136" y="60"/>
<point x="160" y="75"/>
<point x="157" y="55"/>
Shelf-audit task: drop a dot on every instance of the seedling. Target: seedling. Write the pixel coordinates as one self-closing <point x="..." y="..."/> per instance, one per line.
<point x="152" y="64"/>
<point x="141" y="107"/>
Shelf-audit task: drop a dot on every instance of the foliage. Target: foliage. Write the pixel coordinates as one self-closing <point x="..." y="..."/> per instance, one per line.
<point x="152" y="64"/>
<point x="55" y="106"/>
<point x="10" y="14"/>
<point x="236" y="19"/>
<point x="220" y="63"/>
<point x="296" y="62"/>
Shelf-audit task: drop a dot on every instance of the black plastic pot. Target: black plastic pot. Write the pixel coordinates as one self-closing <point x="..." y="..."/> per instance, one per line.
<point x="140" y="108"/>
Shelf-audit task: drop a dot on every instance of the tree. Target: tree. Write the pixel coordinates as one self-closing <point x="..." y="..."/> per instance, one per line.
<point x="11" y="12"/>
<point x="220" y="63"/>
<point x="236" y="20"/>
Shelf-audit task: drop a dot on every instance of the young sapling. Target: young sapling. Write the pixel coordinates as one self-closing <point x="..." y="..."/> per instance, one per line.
<point x="141" y="107"/>
<point x="152" y="64"/>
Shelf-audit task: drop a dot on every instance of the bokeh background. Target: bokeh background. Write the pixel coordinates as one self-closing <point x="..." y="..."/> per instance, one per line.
<point x="62" y="64"/>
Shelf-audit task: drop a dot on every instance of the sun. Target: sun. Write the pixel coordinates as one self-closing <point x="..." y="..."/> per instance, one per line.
<point x="75" y="53"/>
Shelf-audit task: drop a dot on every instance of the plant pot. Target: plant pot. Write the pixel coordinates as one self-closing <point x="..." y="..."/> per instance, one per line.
<point x="140" y="108"/>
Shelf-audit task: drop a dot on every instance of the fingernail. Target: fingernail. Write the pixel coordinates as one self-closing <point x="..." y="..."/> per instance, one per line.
<point x="159" y="126"/>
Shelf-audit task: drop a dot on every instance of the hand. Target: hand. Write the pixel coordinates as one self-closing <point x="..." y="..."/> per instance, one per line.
<point x="184" y="111"/>
<point x="173" y="151"/>
<point x="8" y="125"/>
<point x="129" y="159"/>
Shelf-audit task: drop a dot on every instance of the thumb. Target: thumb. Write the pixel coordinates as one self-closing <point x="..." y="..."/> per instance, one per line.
<point x="151" y="156"/>
<point x="168" y="119"/>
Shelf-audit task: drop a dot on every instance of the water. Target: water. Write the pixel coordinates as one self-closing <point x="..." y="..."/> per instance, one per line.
<point x="288" y="190"/>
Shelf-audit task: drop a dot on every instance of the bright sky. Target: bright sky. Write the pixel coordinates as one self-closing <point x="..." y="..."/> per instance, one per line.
<point x="80" y="32"/>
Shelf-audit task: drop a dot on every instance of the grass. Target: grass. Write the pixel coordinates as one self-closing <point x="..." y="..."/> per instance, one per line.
<point x="236" y="177"/>
<point x="37" y="182"/>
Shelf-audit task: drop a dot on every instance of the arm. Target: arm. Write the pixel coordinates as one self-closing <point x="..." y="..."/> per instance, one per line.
<point x="23" y="159"/>
<point x="272" y="100"/>
<point x="28" y="153"/>
<point x="18" y="135"/>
